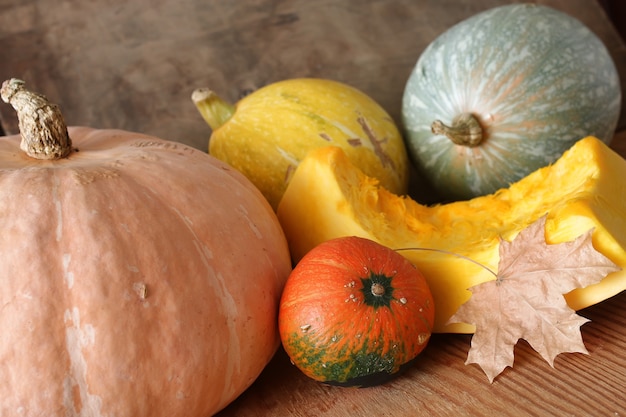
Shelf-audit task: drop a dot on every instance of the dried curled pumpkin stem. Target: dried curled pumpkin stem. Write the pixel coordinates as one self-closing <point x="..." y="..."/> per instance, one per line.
<point x="43" y="130"/>
<point x="465" y="130"/>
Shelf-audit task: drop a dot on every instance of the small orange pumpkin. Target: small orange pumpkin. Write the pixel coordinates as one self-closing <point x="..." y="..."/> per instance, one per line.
<point x="354" y="313"/>
<point x="140" y="277"/>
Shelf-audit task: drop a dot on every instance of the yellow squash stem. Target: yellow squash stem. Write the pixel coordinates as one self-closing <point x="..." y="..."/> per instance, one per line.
<point x="328" y="197"/>
<point x="214" y="110"/>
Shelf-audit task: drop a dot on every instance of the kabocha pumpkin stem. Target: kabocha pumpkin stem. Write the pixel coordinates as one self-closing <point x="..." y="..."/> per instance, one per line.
<point x="212" y="107"/>
<point x="378" y="290"/>
<point x="43" y="130"/>
<point x="465" y="130"/>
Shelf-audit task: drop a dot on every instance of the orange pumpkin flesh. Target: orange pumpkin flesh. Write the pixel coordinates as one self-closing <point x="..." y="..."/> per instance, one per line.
<point x="138" y="277"/>
<point x="354" y="313"/>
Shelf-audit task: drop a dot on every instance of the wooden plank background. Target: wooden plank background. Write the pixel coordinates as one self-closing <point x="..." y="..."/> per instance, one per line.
<point x="134" y="64"/>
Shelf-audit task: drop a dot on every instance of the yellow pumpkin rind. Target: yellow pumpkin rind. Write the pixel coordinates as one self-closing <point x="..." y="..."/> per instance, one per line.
<point x="328" y="197"/>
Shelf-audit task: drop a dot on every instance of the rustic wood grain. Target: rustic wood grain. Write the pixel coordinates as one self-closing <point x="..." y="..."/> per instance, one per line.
<point x="134" y="64"/>
<point x="441" y="384"/>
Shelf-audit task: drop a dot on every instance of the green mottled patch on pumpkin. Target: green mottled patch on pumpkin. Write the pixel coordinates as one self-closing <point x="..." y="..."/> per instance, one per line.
<point x="342" y="365"/>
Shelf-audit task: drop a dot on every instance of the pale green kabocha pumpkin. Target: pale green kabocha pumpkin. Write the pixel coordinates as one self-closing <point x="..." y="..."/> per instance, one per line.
<point x="504" y="93"/>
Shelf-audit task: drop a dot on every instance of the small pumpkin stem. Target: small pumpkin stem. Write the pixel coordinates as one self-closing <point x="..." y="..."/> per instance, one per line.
<point x="43" y="130"/>
<point x="214" y="110"/>
<point x="378" y="290"/>
<point x="465" y="130"/>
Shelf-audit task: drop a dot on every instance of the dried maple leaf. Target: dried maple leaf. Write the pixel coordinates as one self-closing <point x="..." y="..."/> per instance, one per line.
<point x="526" y="301"/>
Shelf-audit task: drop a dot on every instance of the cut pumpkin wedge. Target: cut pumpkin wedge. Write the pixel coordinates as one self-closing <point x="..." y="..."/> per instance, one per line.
<point x="329" y="197"/>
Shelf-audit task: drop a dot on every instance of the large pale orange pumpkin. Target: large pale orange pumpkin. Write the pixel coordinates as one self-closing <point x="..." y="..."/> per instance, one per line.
<point x="138" y="277"/>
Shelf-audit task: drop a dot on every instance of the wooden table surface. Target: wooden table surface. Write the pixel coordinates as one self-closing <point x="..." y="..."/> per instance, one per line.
<point x="134" y="64"/>
<point x="441" y="384"/>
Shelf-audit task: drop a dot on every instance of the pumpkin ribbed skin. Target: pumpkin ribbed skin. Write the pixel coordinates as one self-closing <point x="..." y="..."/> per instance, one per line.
<point x="354" y="312"/>
<point x="577" y="193"/>
<point x="535" y="79"/>
<point x="125" y="289"/>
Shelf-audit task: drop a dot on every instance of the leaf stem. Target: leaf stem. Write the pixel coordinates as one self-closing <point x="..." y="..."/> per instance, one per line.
<point x="453" y="254"/>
